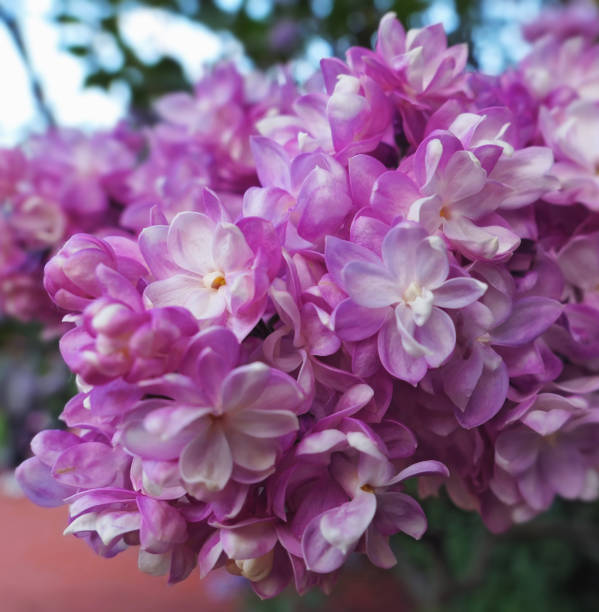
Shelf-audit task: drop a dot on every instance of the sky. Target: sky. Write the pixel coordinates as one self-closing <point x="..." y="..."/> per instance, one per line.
<point x="153" y="33"/>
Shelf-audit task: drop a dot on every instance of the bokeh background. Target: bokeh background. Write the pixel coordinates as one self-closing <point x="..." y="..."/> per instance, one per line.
<point x="89" y="63"/>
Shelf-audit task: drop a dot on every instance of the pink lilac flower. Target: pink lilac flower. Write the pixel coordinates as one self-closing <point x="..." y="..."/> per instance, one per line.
<point x="550" y="450"/>
<point x="232" y="426"/>
<point x="214" y="269"/>
<point x="293" y="299"/>
<point x="401" y="298"/>
<point x="572" y="133"/>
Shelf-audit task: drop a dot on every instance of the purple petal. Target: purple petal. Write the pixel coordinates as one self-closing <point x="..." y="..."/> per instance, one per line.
<point x="370" y="285"/>
<point x="458" y="292"/>
<point x="152" y="244"/>
<point x="461" y="375"/>
<point x="48" y="445"/>
<point x="395" y="359"/>
<point x="432" y="265"/>
<point x="87" y="465"/>
<point x="243" y="386"/>
<point x="210" y="554"/>
<point x="530" y="317"/>
<point x="422" y="468"/>
<point x="399" y="512"/>
<point x="343" y="526"/>
<point x="252" y="454"/>
<point x="353" y="322"/>
<point x="320" y="556"/>
<point x="378" y="549"/>
<point x="535" y="491"/>
<point x="393" y="194"/>
<point x="264" y="423"/>
<point x="563" y="468"/>
<point x="438" y="336"/>
<point x="272" y="163"/>
<point x="363" y="172"/>
<point x="488" y="396"/>
<point x="338" y="253"/>
<point x="399" y="251"/>
<point x="36" y="481"/>
<point x="516" y="449"/>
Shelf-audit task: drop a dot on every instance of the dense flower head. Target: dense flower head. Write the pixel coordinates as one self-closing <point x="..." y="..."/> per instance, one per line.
<point x="312" y="294"/>
<point x="60" y="183"/>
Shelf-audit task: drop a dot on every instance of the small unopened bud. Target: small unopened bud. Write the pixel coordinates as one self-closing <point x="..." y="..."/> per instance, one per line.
<point x="253" y="569"/>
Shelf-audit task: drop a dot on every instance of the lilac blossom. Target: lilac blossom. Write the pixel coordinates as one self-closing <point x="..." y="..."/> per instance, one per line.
<point x="233" y="426"/>
<point x="550" y="450"/>
<point x="210" y="268"/>
<point x="405" y="309"/>
<point x="290" y="300"/>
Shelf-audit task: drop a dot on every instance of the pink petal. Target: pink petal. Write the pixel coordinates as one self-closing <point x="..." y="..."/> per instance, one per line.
<point x="370" y="285"/>
<point x="438" y="336"/>
<point x="353" y="322"/>
<point x="207" y="459"/>
<point x="250" y="453"/>
<point x="395" y="359"/>
<point x="264" y="423"/>
<point x="230" y="250"/>
<point x="458" y="292"/>
<point x="189" y="241"/>
<point x="343" y="526"/>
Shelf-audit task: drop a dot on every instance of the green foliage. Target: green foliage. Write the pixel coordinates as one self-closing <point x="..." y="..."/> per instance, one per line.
<point x="282" y="32"/>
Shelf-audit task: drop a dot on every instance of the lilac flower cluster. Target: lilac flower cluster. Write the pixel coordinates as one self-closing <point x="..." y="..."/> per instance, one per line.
<point x="392" y="273"/>
<point x="59" y="184"/>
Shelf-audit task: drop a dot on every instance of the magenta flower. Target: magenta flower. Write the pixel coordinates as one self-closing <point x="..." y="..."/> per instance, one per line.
<point x="211" y="269"/>
<point x="116" y="338"/>
<point x="495" y="342"/>
<point x="400" y="298"/>
<point x="70" y="276"/>
<point x="296" y="193"/>
<point x="550" y="450"/>
<point x="377" y="509"/>
<point x="572" y="133"/>
<point x="456" y="192"/>
<point x="230" y="425"/>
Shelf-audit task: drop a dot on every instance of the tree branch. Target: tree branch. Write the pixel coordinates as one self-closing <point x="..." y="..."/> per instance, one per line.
<point x="38" y="93"/>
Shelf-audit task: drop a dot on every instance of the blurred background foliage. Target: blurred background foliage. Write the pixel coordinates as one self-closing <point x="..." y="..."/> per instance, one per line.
<point x="35" y="384"/>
